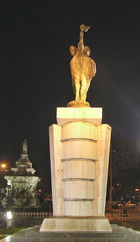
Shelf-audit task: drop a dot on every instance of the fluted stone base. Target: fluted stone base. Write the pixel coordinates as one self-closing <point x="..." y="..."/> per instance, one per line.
<point x="79" y="152"/>
<point x="72" y="224"/>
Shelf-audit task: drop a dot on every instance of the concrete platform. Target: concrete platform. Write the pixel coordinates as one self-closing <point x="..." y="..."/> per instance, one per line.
<point x="75" y="224"/>
<point x="118" y="234"/>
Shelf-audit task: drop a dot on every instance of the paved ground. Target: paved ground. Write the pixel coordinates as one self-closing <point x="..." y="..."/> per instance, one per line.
<point x="119" y="234"/>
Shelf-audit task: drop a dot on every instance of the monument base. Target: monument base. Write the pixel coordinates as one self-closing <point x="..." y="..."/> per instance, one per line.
<point x="73" y="224"/>
<point x="119" y="234"/>
<point x="78" y="104"/>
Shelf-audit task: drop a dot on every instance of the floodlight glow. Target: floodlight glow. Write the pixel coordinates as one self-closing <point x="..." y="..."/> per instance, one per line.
<point x="3" y="165"/>
<point x="9" y="215"/>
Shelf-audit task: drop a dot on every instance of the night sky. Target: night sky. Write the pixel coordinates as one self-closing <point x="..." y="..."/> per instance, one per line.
<point x="35" y="76"/>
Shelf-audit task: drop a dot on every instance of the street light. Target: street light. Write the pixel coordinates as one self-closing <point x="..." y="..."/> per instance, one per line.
<point x="9" y="215"/>
<point x="136" y="189"/>
<point x="3" y="166"/>
<point x="9" y="219"/>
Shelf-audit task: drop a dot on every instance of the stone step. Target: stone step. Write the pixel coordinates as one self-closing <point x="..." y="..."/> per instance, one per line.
<point x="119" y="234"/>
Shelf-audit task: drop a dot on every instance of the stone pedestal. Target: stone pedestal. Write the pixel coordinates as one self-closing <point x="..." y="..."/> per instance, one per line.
<point x="79" y="148"/>
<point x="21" y="192"/>
<point x="73" y="224"/>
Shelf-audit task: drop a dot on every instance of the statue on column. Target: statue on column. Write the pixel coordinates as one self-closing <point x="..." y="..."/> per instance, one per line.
<point x="24" y="147"/>
<point x="83" y="68"/>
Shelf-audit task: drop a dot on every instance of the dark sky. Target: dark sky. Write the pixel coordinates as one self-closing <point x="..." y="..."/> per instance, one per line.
<point x="34" y="69"/>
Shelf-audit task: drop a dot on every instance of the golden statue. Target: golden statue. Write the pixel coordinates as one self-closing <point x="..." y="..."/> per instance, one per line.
<point x="83" y="68"/>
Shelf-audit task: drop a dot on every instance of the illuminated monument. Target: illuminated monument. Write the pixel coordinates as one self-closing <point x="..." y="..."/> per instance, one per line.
<point x="79" y="149"/>
<point x="22" y="183"/>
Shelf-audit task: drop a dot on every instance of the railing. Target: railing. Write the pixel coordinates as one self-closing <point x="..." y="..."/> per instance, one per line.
<point x="123" y="216"/>
<point x="111" y="216"/>
<point x="30" y="214"/>
<point x="33" y="214"/>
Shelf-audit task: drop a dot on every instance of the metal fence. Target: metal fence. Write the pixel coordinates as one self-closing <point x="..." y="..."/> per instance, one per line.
<point x="111" y="216"/>
<point x="30" y="214"/>
<point x="123" y="216"/>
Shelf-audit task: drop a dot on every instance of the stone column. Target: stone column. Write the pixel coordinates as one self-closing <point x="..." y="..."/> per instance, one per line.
<point x="79" y="148"/>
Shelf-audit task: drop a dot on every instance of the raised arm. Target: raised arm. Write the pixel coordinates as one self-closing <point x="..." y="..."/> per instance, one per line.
<point x="83" y="28"/>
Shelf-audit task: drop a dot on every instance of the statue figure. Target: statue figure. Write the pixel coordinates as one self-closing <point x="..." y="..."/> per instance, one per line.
<point x="24" y="147"/>
<point x="83" y="68"/>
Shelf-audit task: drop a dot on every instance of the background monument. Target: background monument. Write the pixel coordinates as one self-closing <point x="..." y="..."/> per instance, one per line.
<point x="79" y="149"/>
<point x="21" y="185"/>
